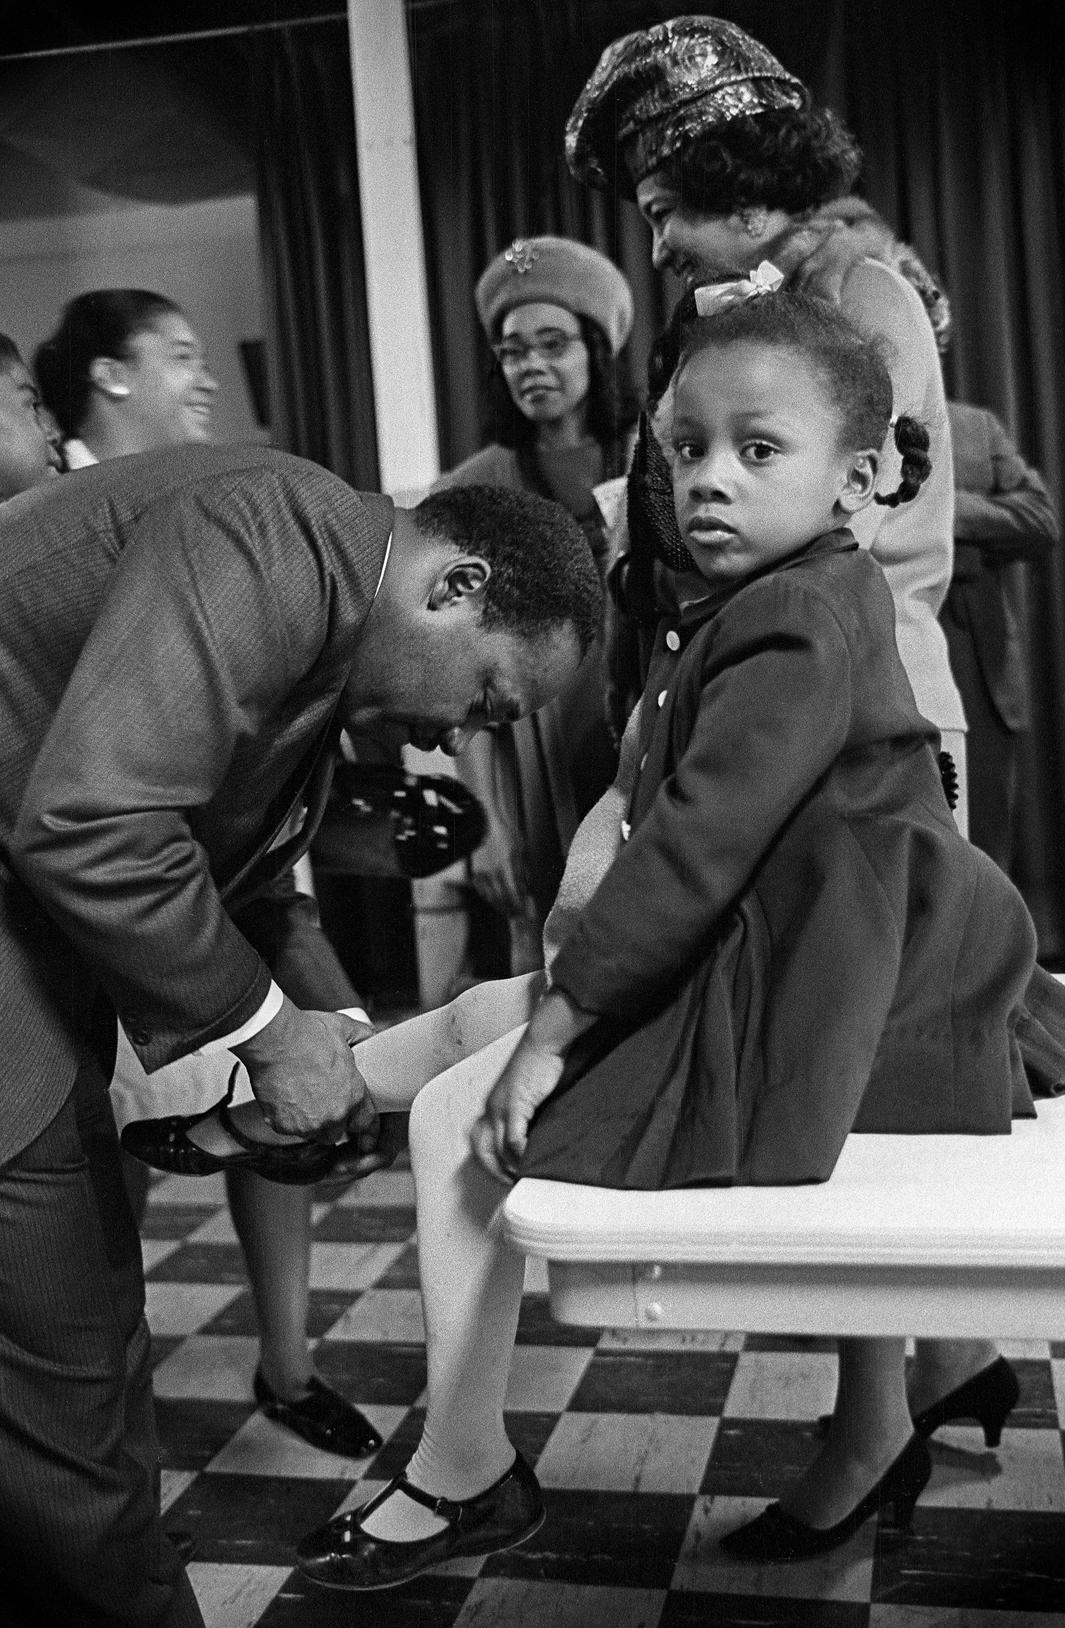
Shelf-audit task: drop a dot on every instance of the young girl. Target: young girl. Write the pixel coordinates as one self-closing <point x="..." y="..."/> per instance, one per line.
<point x="792" y="942"/>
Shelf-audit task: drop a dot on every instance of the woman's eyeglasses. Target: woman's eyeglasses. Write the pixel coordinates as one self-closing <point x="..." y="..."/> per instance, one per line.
<point x="549" y="346"/>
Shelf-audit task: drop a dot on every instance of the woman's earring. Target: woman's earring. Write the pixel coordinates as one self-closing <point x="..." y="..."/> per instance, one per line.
<point x="755" y="220"/>
<point x="117" y="391"/>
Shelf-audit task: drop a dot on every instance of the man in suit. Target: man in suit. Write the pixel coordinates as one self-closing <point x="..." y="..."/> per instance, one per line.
<point x="184" y="634"/>
<point x="1003" y="518"/>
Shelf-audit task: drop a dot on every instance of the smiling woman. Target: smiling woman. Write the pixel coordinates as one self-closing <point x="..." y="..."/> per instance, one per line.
<point x="124" y="372"/>
<point x="27" y="452"/>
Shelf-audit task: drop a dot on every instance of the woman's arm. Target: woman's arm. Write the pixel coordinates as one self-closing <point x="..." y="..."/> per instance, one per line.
<point x="497" y="867"/>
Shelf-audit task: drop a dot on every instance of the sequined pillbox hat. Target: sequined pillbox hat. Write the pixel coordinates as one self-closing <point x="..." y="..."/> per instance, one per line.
<point x="655" y="90"/>
<point x="562" y="272"/>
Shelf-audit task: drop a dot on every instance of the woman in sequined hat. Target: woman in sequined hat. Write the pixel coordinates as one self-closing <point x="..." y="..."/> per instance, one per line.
<point x="558" y="418"/>
<point x="732" y="165"/>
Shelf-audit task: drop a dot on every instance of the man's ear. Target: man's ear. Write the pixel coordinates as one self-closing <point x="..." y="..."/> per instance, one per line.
<point x="860" y="484"/>
<point x="109" y="375"/>
<point x="460" y="579"/>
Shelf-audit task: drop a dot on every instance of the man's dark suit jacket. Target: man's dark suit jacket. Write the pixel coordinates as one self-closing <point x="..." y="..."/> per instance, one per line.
<point x="177" y="629"/>
<point x="1003" y="517"/>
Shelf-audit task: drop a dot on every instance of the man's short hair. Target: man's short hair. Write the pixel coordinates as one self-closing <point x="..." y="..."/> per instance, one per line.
<point x="543" y="573"/>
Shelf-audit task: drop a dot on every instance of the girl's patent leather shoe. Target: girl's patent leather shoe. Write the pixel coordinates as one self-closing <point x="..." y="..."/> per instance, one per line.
<point x="989" y="1397"/>
<point x="774" y="1535"/>
<point x="341" y="1555"/>
<point x="165" y="1145"/>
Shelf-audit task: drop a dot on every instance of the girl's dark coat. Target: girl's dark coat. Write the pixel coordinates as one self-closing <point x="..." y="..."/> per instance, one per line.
<point x="794" y="942"/>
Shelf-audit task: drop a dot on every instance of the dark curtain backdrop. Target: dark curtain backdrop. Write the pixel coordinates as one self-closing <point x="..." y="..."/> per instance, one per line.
<point x="317" y="342"/>
<point x="960" y="109"/>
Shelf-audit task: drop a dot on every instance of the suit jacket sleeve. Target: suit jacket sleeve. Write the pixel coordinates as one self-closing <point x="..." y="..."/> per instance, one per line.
<point x="190" y="655"/>
<point x="1012" y="517"/>
<point x="752" y="755"/>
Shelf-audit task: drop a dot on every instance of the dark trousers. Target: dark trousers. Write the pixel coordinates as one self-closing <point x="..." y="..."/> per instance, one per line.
<point x="80" y="1538"/>
<point x="991" y="751"/>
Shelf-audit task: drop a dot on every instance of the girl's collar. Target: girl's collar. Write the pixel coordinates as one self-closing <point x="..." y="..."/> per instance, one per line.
<point x="839" y="541"/>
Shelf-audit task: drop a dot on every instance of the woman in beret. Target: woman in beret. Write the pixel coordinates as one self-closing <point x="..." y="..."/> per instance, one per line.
<point x="556" y="314"/>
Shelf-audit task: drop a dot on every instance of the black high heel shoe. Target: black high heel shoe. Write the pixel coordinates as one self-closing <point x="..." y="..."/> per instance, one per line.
<point x="165" y="1145"/>
<point x="321" y="1416"/>
<point x="989" y="1397"/>
<point x="775" y="1535"/>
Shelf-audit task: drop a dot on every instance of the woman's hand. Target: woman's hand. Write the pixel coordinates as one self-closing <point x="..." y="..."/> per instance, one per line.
<point x="497" y="869"/>
<point x="498" y="1138"/>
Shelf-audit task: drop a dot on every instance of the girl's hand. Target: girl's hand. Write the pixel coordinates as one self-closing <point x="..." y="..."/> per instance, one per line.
<point x="498" y="1138"/>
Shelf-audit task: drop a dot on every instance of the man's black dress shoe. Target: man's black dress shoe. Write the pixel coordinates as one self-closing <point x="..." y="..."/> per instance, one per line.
<point x="774" y="1535"/>
<point x="321" y="1416"/>
<point x="341" y="1555"/>
<point x="165" y="1145"/>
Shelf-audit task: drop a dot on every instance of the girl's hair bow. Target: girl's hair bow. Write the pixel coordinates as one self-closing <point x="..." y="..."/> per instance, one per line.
<point x="714" y="297"/>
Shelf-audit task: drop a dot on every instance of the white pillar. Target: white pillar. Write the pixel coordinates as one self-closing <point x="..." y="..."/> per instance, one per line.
<point x="405" y="406"/>
<point x="397" y="297"/>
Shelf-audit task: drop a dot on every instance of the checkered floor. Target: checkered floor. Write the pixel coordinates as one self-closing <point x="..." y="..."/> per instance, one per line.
<point x="647" y="1448"/>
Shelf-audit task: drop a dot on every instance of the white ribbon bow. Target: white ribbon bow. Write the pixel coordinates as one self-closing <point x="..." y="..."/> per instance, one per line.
<point x="714" y="297"/>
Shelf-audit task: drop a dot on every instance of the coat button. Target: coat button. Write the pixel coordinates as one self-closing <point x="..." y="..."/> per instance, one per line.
<point x="662" y="698"/>
<point x="138" y="1035"/>
<point x="672" y="639"/>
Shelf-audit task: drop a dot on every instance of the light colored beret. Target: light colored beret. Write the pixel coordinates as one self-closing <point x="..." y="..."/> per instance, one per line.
<point x="562" y="272"/>
<point x="654" y="91"/>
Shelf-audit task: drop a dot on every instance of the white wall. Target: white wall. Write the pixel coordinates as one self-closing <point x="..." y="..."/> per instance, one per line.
<point x="204" y="256"/>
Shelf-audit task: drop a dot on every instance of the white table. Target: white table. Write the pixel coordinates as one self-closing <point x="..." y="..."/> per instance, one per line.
<point x="928" y="1235"/>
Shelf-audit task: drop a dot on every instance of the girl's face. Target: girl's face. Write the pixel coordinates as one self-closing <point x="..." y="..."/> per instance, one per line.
<point x="758" y="471"/>
<point x="544" y="362"/>
<point x="700" y="248"/>
<point x="171" y="391"/>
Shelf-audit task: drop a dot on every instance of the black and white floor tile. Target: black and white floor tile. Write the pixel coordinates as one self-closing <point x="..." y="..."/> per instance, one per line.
<point x="647" y="1447"/>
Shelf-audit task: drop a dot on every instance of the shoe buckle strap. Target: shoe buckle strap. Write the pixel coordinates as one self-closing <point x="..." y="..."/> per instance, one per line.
<point x="449" y="1508"/>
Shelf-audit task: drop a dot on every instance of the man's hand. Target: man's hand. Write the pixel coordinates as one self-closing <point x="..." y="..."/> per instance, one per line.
<point x="304" y="1077"/>
<point x="375" y="1149"/>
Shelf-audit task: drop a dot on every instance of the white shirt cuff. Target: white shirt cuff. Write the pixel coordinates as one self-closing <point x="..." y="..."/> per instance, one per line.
<point x="267" y="1011"/>
<point x="360" y="1016"/>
